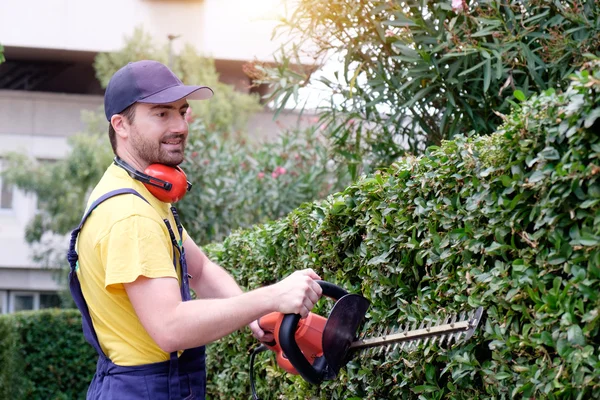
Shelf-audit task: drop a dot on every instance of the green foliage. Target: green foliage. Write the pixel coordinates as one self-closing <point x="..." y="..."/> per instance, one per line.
<point x="12" y="381"/>
<point x="509" y="222"/>
<point x="2" y="59"/>
<point x="239" y="184"/>
<point x="413" y="73"/>
<point x="50" y="357"/>
<point x="227" y="109"/>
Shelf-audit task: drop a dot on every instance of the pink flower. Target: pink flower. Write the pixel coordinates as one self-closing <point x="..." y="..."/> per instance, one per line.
<point x="458" y="6"/>
<point x="389" y="33"/>
<point x="188" y="115"/>
<point x="274" y="174"/>
<point x="261" y="175"/>
<point x="280" y="171"/>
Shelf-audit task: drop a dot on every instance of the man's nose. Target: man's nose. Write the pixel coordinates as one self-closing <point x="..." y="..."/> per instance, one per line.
<point x="179" y="125"/>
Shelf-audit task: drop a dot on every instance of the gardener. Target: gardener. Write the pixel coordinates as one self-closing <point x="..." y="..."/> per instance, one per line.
<point x="132" y="263"/>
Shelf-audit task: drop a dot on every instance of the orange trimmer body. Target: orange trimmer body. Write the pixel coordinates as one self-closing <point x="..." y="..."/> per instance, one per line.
<point x="309" y="337"/>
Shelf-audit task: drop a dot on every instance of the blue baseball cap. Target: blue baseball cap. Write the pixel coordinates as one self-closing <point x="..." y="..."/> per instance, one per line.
<point x="147" y="81"/>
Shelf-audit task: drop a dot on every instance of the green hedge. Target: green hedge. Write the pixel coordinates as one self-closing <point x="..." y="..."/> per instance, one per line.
<point x="510" y="222"/>
<point x="11" y="370"/>
<point x="43" y="355"/>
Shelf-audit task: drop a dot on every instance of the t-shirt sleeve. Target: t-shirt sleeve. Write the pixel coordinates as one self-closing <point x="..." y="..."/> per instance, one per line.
<point x="136" y="246"/>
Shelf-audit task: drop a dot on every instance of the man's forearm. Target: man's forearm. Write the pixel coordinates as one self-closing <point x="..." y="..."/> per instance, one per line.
<point x="214" y="283"/>
<point x="212" y="319"/>
<point x="176" y="325"/>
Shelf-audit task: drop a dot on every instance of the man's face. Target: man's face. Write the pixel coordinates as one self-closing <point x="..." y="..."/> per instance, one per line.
<point x="159" y="133"/>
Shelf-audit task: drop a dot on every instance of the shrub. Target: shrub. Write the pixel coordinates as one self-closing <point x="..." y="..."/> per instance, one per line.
<point x="46" y="356"/>
<point x="509" y="222"/>
<point x="238" y="184"/>
<point x="12" y="381"/>
<point x="412" y="73"/>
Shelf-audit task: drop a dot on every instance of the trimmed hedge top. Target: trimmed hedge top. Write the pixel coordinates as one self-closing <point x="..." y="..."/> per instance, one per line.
<point x="510" y="222"/>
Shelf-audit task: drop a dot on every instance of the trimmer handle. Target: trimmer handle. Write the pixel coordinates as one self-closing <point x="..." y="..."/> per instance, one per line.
<point x="330" y="290"/>
<point x="287" y="340"/>
<point x="306" y="335"/>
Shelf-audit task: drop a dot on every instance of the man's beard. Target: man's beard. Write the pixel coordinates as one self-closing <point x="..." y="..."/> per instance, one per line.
<point x="154" y="153"/>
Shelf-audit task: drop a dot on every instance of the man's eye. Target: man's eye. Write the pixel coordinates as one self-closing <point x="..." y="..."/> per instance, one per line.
<point x="161" y="114"/>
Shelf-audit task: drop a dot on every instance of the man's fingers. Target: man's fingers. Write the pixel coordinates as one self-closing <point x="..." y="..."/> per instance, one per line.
<point x="308" y="304"/>
<point x="316" y="288"/>
<point x="257" y="332"/>
<point x="311" y="273"/>
<point x="299" y="292"/>
<point x="304" y="312"/>
<point x="313" y="296"/>
<point x="267" y="337"/>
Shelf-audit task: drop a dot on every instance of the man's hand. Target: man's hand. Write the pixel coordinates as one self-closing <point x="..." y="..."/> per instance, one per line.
<point x="259" y="334"/>
<point x="298" y="293"/>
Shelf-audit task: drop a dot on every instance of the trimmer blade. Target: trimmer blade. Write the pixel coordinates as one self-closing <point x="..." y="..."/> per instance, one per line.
<point x="451" y="331"/>
<point x="341" y="329"/>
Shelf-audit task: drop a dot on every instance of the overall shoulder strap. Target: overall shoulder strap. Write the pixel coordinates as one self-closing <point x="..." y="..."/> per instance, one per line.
<point x="74" y="285"/>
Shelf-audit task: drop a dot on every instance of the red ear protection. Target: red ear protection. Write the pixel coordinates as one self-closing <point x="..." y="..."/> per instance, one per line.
<point x="168" y="184"/>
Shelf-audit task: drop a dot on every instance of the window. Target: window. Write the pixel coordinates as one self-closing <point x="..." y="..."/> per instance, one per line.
<point x="25" y="301"/>
<point x="3" y="302"/>
<point x="6" y="194"/>
<point x="22" y="301"/>
<point x="49" y="300"/>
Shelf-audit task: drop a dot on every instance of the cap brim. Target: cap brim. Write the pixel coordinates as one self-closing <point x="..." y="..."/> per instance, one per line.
<point x="175" y="93"/>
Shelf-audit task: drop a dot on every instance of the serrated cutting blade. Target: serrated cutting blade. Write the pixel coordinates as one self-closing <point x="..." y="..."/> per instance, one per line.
<point x="465" y="325"/>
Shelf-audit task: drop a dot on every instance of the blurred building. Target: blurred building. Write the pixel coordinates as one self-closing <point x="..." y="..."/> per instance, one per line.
<point x="48" y="78"/>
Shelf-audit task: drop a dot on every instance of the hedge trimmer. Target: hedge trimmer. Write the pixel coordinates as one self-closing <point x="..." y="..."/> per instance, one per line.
<point x="317" y="347"/>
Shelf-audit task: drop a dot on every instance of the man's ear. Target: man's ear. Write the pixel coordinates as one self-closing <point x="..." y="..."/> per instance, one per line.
<point x="120" y="125"/>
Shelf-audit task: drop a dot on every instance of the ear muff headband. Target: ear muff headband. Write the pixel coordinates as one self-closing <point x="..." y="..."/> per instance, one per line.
<point x="168" y="184"/>
<point x="145" y="178"/>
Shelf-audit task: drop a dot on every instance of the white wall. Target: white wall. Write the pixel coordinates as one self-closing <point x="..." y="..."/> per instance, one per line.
<point x="26" y="114"/>
<point x="28" y="279"/>
<point x="241" y="29"/>
<point x="14" y="250"/>
<point x="92" y="25"/>
<point x="223" y="29"/>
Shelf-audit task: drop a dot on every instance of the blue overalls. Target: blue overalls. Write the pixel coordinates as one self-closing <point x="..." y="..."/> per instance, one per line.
<point x="181" y="377"/>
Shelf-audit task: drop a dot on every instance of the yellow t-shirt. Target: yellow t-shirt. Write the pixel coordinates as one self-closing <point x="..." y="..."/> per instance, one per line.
<point x="124" y="238"/>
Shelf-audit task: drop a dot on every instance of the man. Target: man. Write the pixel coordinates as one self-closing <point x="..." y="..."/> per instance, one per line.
<point x="130" y="269"/>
